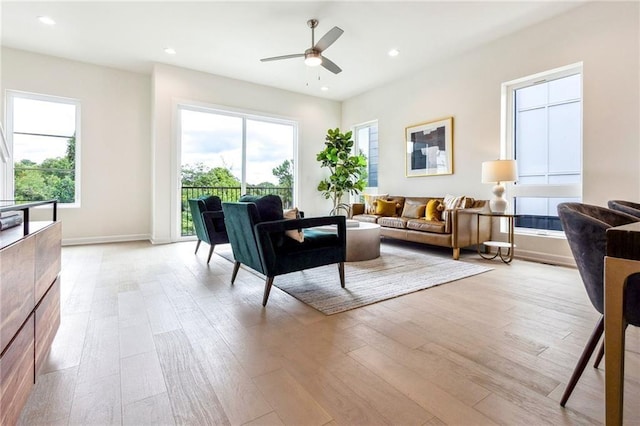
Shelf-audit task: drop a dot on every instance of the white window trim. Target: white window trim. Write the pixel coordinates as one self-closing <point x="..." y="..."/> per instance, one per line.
<point x="354" y="129"/>
<point x="8" y="166"/>
<point x="506" y="145"/>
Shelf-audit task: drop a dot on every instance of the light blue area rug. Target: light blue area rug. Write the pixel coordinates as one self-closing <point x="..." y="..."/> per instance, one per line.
<point x="398" y="271"/>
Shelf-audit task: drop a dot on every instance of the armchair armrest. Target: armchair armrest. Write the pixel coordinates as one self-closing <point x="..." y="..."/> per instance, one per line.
<point x="269" y="234"/>
<point x="303" y="223"/>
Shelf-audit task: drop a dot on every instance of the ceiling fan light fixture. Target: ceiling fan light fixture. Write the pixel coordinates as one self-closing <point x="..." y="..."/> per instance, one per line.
<point x="312" y="59"/>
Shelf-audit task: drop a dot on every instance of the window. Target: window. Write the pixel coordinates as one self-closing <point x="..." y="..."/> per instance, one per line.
<point x="544" y="135"/>
<point x="228" y="154"/>
<point x="366" y="142"/>
<point x="43" y="137"/>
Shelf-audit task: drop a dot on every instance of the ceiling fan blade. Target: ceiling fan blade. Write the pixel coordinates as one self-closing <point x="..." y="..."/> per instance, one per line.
<point x="330" y="65"/>
<point x="328" y="39"/>
<point x="277" y="58"/>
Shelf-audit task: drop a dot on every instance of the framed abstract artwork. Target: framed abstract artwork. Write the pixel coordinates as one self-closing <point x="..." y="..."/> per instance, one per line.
<point x="429" y="148"/>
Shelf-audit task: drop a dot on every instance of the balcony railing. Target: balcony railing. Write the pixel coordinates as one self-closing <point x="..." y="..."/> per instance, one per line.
<point x="226" y="193"/>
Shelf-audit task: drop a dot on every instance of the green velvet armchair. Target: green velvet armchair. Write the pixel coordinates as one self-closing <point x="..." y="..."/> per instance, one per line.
<point x="263" y="246"/>
<point x="208" y="222"/>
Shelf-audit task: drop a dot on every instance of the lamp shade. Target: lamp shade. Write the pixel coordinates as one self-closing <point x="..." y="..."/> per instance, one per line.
<point x="499" y="171"/>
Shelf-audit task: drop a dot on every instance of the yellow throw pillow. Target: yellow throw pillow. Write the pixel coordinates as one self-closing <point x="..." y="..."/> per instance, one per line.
<point x="434" y="209"/>
<point x="385" y="208"/>
<point x="296" y="234"/>
<point x="369" y="202"/>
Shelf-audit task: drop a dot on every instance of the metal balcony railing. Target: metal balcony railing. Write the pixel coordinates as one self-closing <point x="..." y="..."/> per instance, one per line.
<point x="226" y="193"/>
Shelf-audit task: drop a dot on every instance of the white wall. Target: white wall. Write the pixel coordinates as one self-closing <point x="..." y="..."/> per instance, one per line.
<point x="115" y="170"/>
<point x="128" y="147"/>
<point x="171" y="85"/>
<point x="605" y="36"/>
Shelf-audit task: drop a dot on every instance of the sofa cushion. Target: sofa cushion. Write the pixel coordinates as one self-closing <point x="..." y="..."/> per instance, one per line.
<point x="435" y="226"/>
<point x="370" y="218"/>
<point x="393" y="222"/>
<point x="385" y="208"/>
<point x="413" y="210"/>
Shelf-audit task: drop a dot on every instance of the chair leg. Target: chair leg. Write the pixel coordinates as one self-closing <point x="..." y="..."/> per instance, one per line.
<point x="584" y="359"/>
<point x="456" y="253"/>
<point x="210" y="253"/>
<point x="599" y="357"/>
<point x="341" y="271"/>
<point x="267" y="289"/>
<point x="235" y="271"/>
<point x="596" y="364"/>
<point x="197" y="247"/>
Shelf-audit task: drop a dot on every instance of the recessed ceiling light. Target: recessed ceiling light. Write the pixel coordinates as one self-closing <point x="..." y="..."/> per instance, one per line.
<point x="324" y="88"/>
<point x="169" y="51"/>
<point x="46" y="20"/>
<point x="394" y="52"/>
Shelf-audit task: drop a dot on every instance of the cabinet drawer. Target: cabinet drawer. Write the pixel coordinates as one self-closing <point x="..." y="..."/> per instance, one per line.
<point x="16" y="374"/>
<point x="48" y="253"/>
<point x="16" y="295"/>
<point x="47" y="322"/>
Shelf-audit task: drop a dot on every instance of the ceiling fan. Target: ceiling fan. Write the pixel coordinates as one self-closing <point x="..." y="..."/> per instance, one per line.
<point x="313" y="56"/>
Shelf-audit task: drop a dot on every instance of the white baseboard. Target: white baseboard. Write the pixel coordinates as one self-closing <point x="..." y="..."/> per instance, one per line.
<point x="551" y="259"/>
<point x="104" y="240"/>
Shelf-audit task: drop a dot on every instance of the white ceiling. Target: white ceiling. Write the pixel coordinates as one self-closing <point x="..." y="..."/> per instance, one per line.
<point x="229" y="38"/>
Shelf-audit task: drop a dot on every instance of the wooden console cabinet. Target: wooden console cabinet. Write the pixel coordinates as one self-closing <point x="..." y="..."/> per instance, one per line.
<point x="30" y="261"/>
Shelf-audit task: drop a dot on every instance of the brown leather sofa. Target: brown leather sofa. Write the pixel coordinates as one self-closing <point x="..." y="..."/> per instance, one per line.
<point x="457" y="228"/>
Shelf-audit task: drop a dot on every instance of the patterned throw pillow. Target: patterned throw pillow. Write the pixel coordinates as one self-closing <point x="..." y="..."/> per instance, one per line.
<point x="434" y="210"/>
<point x="369" y="199"/>
<point x="296" y="234"/>
<point x="450" y="202"/>
<point x="385" y="208"/>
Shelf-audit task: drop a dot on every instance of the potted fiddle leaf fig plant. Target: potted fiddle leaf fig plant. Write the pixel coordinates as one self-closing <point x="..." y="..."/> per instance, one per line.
<point x="348" y="171"/>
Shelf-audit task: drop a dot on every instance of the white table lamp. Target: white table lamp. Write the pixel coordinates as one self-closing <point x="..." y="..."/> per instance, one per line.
<point x="498" y="172"/>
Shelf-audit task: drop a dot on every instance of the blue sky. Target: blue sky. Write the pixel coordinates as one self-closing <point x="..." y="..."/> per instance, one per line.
<point x="216" y="141"/>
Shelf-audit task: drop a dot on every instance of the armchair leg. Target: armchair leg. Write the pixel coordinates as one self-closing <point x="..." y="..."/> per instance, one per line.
<point x="596" y="364"/>
<point x="235" y="271"/>
<point x="210" y="253"/>
<point x="584" y="359"/>
<point x="341" y="271"/>
<point x="267" y="289"/>
<point x="197" y="246"/>
<point x="456" y="254"/>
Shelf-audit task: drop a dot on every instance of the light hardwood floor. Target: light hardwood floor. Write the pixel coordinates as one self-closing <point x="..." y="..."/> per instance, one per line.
<point x="152" y="335"/>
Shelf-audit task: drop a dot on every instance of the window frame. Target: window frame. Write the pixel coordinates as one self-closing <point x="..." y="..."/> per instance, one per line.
<point x="9" y="172"/>
<point x="356" y="147"/>
<point x="507" y="145"/>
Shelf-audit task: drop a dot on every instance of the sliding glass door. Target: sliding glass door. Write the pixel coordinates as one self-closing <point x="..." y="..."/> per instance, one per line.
<point x="228" y="154"/>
